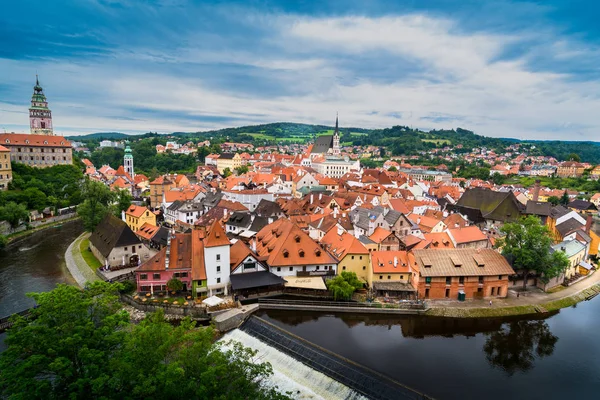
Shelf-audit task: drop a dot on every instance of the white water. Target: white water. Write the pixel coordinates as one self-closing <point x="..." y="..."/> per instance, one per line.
<point x="292" y="376"/>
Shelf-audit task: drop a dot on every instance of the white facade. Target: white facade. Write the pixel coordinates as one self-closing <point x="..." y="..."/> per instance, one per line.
<point x="216" y="263"/>
<point x="248" y="198"/>
<point x="293" y="270"/>
<point x="335" y="167"/>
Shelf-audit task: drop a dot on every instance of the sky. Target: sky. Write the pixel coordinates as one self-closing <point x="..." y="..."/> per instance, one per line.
<point x="527" y="70"/>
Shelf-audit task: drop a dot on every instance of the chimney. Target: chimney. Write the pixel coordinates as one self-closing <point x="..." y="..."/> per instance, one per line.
<point x="588" y="223"/>
<point x="395" y="262"/>
<point x="253" y="245"/>
<point x="320" y="196"/>
<point x="224" y="213"/>
<point x="536" y="190"/>
<point x="312" y="198"/>
<point x="335" y="212"/>
<point x="168" y="251"/>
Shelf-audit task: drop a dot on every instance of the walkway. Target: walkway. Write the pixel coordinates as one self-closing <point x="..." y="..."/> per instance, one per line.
<point x="532" y="296"/>
<point x="76" y="265"/>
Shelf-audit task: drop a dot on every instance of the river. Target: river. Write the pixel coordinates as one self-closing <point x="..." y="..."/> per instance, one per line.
<point x="34" y="263"/>
<point x="553" y="358"/>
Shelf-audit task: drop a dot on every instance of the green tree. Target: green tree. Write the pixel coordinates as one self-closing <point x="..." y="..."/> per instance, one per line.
<point x="226" y="172"/>
<point x="3" y="241"/>
<point x="241" y="170"/>
<point x="95" y="206"/>
<point x="36" y="199"/>
<point x="554" y="200"/>
<point x="79" y="344"/>
<point x="122" y="202"/>
<point x="343" y="285"/>
<point x="564" y="199"/>
<point x="392" y="169"/>
<point x="528" y="244"/>
<point x="574" y="157"/>
<point x="14" y="214"/>
<point x="174" y="285"/>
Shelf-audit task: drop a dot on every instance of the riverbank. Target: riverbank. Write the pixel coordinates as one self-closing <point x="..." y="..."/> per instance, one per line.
<point x="15" y="237"/>
<point x="76" y="264"/>
<point x="528" y="303"/>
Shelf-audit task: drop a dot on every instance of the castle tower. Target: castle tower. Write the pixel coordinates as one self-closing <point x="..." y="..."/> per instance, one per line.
<point x="40" y="116"/>
<point x="128" y="162"/>
<point x="336" y="139"/>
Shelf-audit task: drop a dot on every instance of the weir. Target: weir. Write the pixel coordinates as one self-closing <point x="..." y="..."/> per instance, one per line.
<point x="360" y="379"/>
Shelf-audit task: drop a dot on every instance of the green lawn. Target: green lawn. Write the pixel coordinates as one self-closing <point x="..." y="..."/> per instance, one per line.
<point x="88" y="256"/>
<point x="260" y="136"/>
<point x="358" y="134"/>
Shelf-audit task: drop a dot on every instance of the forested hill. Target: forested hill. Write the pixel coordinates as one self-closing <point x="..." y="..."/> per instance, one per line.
<point x="399" y="140"/>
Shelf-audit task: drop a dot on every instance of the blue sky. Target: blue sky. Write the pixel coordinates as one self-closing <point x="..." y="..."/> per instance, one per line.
<point x="501" y="68"/>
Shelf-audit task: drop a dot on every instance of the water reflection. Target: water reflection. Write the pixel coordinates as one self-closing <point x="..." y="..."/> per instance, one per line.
<point x="515" y="346"/>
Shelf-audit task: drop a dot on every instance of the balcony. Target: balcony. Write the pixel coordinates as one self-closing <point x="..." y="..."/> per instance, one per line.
<point x="315" y="273"/>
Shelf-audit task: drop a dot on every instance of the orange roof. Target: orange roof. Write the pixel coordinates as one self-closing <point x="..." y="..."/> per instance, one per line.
<point x="455" y="219"/>
<point x="238" y="253"/>
<point x="467" y="234"/>
<point x="136" y="211"/>
<point x="392" y="262"/>
<point x="25" y="139"/>
<point x="119" y="183"/>
<point x="400" y="206"/>
<point x="439" y="240"/>
<point x="341" y="245"/>
<point x="410" y="240"/>
<point x="147" y="231"/>
<point x="425" y="223"/>
<point x="85" y="161"/>
<point x="232" y="205"/>
<point x="379" y="234"/>
<point x="216" y="236"/>
<point x="188" y="194"/>
<point x="198" y="267"/>
<point x="283" y="243"/>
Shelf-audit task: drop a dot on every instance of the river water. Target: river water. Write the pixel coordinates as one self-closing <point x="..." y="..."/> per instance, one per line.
<point x="553" y="358"/>
<point x="34" y="264"/>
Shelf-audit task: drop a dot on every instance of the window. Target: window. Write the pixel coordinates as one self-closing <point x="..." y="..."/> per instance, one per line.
<point x="380" y="277"/>
<point x="218" y="280"/>
<point x="401" y="276"/>
<point x="447" y="293"/>
<point x="218" y="257"/>
<point x="426" y="293"/>
<point x="389" y="277"/>
<point x="364" y="267"/>
<point x="143" y="277"/>
<point x="125" y="248"/>
<point x="461" y="280"/>
<point x="318" y="268"/>
<point x="291" y="269"/>
<point x="360" y="258"/>
<point x="499" y="277"/>
<point x="218" y="269"/>
<point x="428" y="280"/>
<point x="448" y="280"/>
<point x="481" y="279"/>
<point x="139" y="246"/>
<point x="344" y="268"/>
<point x="156" y="276"/>
<point x="479" y="290"/>
<point x="278" y="269"/>
<point x="353" y="257"/>
<point x="183" y="274"/>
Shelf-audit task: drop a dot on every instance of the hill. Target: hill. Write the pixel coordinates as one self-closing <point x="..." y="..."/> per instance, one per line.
<point x="101" y="136"/>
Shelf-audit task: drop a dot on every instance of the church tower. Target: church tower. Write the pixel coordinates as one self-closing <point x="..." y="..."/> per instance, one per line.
<point x="40" y="116"/>
<point x="128" y="162"/>
<point x="336" y="139"/>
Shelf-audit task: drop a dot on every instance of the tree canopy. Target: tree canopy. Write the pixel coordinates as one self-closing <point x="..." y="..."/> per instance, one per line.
<point x="528" y="244"/>
<point x="14" y="214"/>
<point x="98" y="198"/>
<point x="80" y="345"/>
<point x="343" y="285"/>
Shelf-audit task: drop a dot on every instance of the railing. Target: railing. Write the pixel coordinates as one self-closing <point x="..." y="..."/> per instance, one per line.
<point x="315" y="273"/>
<point x="403" y="304"/>
<point x="6" y="323"/>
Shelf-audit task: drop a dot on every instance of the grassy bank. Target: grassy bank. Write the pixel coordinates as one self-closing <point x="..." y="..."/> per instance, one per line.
<point x="488" y="312"/>
<point x="88" y="256"/>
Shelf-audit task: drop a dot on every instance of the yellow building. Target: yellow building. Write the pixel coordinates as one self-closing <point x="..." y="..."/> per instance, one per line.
<point x="575" y="252"/>
<point x="5" y="168"/>
<point x="229" y="160"/>
<point x="352" y="256"/>
<point x="394" y="274"/>
<point x="136" y="216"/>
<point x="164" y="184"/>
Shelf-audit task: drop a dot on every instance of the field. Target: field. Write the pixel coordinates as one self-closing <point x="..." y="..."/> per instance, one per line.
<point x="292" y="139"/>
<point x="436" y="141"/>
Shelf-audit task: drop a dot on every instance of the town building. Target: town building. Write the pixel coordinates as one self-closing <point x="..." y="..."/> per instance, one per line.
<point x="350" y="253"/>
<point x="394" y="274"/>
<point x="229" y="161"/>
<point x="163" y="184"/>
<point x="40" y="116"/>
<point x="289" y="251"/>
<point x="5" y="168"/>
<point x="334" y="167"/>
<point x="114" y="244"/>
<point x="37" y="150"/>
<point x="472" y="273"/>
<point x="570" y="169"/>
<point x="327" y="144"/>
<point x="136" y="216"/>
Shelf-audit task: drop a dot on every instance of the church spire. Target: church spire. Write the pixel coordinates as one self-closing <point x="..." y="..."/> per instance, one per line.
<point x="40" y="116"/>
<point x="336" y="122"/>
<point x="336" y="138"/>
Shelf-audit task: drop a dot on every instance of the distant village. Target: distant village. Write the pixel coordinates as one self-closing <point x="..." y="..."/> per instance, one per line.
<point x="258" y="221"/>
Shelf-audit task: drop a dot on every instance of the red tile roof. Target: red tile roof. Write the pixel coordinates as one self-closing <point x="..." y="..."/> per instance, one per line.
<point x="24" y="139"/>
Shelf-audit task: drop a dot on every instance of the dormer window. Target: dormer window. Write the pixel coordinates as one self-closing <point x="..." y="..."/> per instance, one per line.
<point x="301" y="253"/>
<point x="286" y="253"/>
<point x="27" y="141"/>
<point x="297" y="238"/>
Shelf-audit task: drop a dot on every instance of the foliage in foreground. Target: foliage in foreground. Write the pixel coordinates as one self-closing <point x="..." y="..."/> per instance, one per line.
<point x="81" y="345"/>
